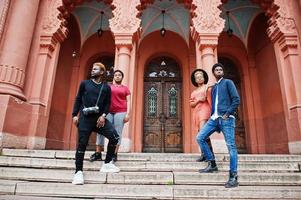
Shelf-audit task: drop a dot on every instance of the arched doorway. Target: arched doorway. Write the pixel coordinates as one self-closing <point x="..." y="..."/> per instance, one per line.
<point x="231" y="72"/>
<point x="162" y="131"/>
<point x="60" y="121"/>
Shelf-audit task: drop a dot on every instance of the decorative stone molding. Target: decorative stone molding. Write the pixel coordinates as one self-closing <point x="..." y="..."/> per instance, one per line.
<point x="54" y="27"/>
<point x="3" y="14"/>
<point x="187" y="4"/>
<point x="282" y="26"/>
<point x="208" y="40"/>
<point x="143" y="5"/>
<point x="125" y="17"/>
<point x="12" y="75"/>
<point x="123" y="40"/>
<point x="207" y="18"/>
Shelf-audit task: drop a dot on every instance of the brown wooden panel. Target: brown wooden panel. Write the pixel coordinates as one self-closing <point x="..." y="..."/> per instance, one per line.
<point x="162" y="107"/>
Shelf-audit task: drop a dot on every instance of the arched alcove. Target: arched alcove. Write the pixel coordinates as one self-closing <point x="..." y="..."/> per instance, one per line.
<point x="262" y="54"/>
<point x="58" y="112"/>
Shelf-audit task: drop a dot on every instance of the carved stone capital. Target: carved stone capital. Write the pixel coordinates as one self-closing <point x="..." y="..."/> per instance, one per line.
<point x="122" y="40"/>
<point x="289" y="44"/>
<point x="282" y="27"/>
<point x="207" y="18"/>
<point x="53" y="28"/>
<point x="206" y="40"/>
<point x="125" y="17"/>
<point x="47" y="44"/>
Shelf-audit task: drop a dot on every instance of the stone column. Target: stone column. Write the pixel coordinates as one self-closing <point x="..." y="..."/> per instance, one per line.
<point x="70" y="131"/>
<point x="123" y="55"/>
<point x="283" y="33"/>
<point x="207" y="25"/>
<point x="41" y="86"/>
<point x="4" y="7"/>
<point x="207" y="46"/>
<point x="124" y="25"/>
<point x="16" y="47"/>
<point x="53" y="33"/>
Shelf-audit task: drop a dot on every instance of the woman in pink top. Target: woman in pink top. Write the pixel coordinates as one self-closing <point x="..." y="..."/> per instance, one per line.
<point x="200" y="101"/>
<point x="119" y="113"/>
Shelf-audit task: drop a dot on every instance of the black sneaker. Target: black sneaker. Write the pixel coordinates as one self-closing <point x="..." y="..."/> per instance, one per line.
<point x="95" y="156"/>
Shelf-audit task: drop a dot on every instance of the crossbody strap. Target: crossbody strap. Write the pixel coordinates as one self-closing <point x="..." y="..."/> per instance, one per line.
<point x="99" y="93"/>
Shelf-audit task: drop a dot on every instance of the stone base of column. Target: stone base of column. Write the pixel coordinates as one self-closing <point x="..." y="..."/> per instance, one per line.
<point x="21" y="125"/>
<point x="294" y="147"/>
<point x="8" y="140"/>
<point x="12" y="90"/>
<point x="125" y="146"/>
<point x="218" y="143"/>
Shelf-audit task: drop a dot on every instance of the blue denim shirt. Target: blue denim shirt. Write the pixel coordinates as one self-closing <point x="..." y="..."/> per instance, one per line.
<point x="228" y="98"/>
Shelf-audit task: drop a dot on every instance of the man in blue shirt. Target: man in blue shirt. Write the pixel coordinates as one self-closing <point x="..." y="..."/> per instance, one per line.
<point x="225" y="100"/>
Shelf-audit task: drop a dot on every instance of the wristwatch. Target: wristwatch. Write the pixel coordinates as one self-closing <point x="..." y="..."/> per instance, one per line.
<point x="104" y="115"/>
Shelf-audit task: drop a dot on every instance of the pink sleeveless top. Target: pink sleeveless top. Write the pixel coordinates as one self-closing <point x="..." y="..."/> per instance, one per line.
<point x="202" y="110"/>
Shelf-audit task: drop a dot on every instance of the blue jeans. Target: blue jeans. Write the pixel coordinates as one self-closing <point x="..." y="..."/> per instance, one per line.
<point x="227" y="126"/>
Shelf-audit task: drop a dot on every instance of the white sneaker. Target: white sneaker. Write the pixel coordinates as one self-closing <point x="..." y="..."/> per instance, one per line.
<point x="78" y="178"/>
<point x="109" y="167"/>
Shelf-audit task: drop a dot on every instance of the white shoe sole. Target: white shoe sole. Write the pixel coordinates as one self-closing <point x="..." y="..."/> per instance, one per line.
<point x="110" y="171"/>
<point x="77" y="183"/>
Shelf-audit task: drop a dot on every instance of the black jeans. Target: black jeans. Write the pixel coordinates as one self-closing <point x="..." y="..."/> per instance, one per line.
<point x="86" y="126"/>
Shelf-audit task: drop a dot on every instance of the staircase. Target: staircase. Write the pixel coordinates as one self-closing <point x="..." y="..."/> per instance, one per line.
<point x="47" y="174"/>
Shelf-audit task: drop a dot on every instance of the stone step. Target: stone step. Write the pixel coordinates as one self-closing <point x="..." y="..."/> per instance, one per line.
<point x="150" y="178"/>
<point x="178" y="192"/>
<point x="162" y="157"/>
<point x="18" y="197"/>
<point x="146" y="165"/>
<point x="245" y="178"/>
<point x="244" y="192"/>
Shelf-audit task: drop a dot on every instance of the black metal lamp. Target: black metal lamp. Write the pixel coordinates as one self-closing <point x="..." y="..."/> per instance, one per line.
<point x="229" y="30"/>
<point x="163" y="30"/>
<point x="100" y="31"/>
<point x="74" y="54"/>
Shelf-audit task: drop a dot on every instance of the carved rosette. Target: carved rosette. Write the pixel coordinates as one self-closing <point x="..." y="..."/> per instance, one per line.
<point x="53" y="29"/>
<point x="282" y="26"/>
<point x="207" y="19"/>
<point x="125" y="22"/>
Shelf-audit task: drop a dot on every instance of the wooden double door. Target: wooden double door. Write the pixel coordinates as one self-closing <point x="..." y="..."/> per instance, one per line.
<point x="162" y="107"/>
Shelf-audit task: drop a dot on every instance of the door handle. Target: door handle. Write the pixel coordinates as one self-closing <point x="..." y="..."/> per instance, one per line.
<point x="162" y="118"/>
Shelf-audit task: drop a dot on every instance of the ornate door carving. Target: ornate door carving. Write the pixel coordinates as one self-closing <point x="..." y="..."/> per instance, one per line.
<point x="162" y="107"/>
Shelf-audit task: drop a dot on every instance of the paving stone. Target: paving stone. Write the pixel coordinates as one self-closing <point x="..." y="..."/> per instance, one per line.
<point x="158" y="178"/>
<point x="29" y="153"/>
<point x="245" y="178"/>
<point x="246" y="192"/>
<point x="95" y="190"/>
<point x="18" y="197"/>
<point x="49" y="175"/>
<point x="8" y="186"/>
